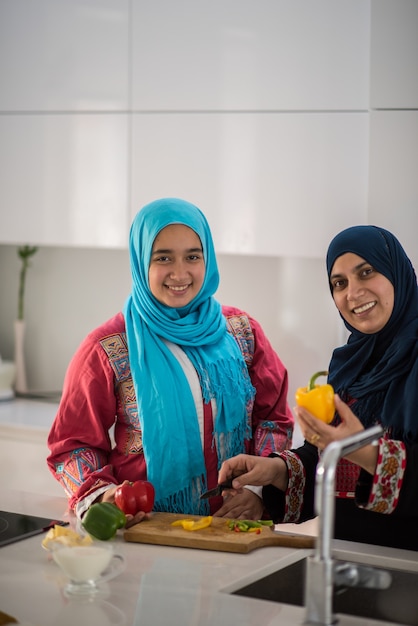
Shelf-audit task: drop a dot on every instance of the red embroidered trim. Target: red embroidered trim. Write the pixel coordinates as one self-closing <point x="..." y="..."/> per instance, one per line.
<point x="239" y="326"/>
<point x="345" y="494"/>
<point x="82" y="462"/>
<point x="347" y="474"/>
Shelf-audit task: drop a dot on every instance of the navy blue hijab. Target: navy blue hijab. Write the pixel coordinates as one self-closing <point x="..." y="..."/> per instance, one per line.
<point x="380" y="371"/>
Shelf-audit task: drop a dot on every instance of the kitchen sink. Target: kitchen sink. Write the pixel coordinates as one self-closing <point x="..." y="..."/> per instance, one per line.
<point x="397" y="602"/>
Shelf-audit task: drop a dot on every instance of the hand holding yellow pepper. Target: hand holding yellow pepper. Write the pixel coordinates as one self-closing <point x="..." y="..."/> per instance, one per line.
<point x="317" y="399"/>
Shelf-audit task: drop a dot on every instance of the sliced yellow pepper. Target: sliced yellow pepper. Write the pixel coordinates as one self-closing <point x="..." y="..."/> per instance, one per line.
<point x="180" y="522"/>
<point x="317" y="399"/>
<point x="190" y="524"/>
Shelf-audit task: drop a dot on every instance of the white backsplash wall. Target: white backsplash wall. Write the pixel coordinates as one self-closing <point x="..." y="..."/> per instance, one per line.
<point x="70" y="291"/>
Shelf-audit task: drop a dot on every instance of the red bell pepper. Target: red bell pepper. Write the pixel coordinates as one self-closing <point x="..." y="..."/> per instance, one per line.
<point x="132" y="497"/>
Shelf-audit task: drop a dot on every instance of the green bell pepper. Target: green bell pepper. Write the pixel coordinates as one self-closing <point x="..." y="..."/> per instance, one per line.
<point x="103" y="519"/>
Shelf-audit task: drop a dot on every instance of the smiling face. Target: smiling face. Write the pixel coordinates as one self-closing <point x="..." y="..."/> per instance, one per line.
<point x="177" y="266"/>
<point x="364" y="297"/>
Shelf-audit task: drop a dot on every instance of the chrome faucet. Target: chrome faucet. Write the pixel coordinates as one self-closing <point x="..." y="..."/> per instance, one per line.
<point x="320" y="566"/>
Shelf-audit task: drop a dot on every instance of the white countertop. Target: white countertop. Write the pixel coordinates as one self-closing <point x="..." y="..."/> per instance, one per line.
<point x="161" y="585"/>
<point x="23" y="418"/>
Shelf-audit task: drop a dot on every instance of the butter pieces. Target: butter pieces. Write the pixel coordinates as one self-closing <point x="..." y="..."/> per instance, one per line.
<point x="66" y="536"/>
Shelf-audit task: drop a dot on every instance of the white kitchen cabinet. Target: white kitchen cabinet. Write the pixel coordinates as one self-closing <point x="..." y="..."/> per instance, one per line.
<point x="64" y="55"/>
<point x="270" y="184"/>
<point x="394" y="54"/>
<point x="24" y="428"/>
<point x="64" y="179"/>
<point x="76" y="76"/>
<point x="393" y="194"/>
<point x="246" y="55"/>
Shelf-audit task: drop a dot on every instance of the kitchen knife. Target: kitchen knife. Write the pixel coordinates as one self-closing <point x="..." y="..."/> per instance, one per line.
<point x="218" y="490"/>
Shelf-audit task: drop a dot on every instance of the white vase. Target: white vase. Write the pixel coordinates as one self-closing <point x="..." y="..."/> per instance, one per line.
<point x="20" y="363"/>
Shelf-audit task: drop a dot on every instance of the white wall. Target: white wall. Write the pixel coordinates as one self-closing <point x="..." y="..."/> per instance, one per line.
<point x="70" y="291"/>
<point x="285" y="121"/>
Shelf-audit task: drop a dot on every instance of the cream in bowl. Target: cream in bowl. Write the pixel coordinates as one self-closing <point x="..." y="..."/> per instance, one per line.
<point x="87" y="566"/>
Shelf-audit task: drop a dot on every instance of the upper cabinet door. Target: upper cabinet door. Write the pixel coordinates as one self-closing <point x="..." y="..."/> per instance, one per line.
<point x="256" y="110"/>
<point x="64" y="55"/>
<point x="63" y="179"/>
<point x="394" y="54"/>
<point x="393" y="184"/>
<point x="248" y="55"/>
<point x="269" y="184"/>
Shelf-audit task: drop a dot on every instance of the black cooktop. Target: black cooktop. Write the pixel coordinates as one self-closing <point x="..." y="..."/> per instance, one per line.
<point x="17" y="526"/>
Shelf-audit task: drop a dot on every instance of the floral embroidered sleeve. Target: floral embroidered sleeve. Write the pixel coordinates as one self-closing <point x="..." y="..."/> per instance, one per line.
<point x="381" y="492"/>
<point x="296" y="504"/>
<point x="293" y="501"/>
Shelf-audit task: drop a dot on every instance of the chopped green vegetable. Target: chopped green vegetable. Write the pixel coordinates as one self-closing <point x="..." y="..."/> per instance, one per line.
<point x="246" y="525"/>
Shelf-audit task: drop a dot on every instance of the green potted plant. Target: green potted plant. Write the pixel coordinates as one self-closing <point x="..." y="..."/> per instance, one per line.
<point x="25" y="253"/>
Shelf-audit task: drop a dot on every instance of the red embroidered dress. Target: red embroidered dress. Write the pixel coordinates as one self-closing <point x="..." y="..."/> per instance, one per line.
<point x="95" y="440"/>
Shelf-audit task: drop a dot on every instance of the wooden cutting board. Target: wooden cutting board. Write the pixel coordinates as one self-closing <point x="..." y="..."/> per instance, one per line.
<point x="159" y="531"/>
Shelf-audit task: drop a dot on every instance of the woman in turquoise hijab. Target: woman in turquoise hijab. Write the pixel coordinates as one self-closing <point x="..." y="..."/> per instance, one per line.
<point x="189" y="317"/>
<point x="191" y="382"/>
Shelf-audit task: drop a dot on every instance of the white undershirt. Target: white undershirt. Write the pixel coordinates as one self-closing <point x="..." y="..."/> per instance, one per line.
<point x="194" y="383"/>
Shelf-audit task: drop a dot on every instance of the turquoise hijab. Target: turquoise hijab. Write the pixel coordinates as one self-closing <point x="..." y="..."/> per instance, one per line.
<point x="166" y="408"/>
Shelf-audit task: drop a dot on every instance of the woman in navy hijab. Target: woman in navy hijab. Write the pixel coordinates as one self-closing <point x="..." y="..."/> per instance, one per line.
<point x="375" y="378"/>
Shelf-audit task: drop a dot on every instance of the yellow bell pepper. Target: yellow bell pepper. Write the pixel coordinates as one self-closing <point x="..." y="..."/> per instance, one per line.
<point x="317" y="399"/>
<point x="190" y="524"/>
